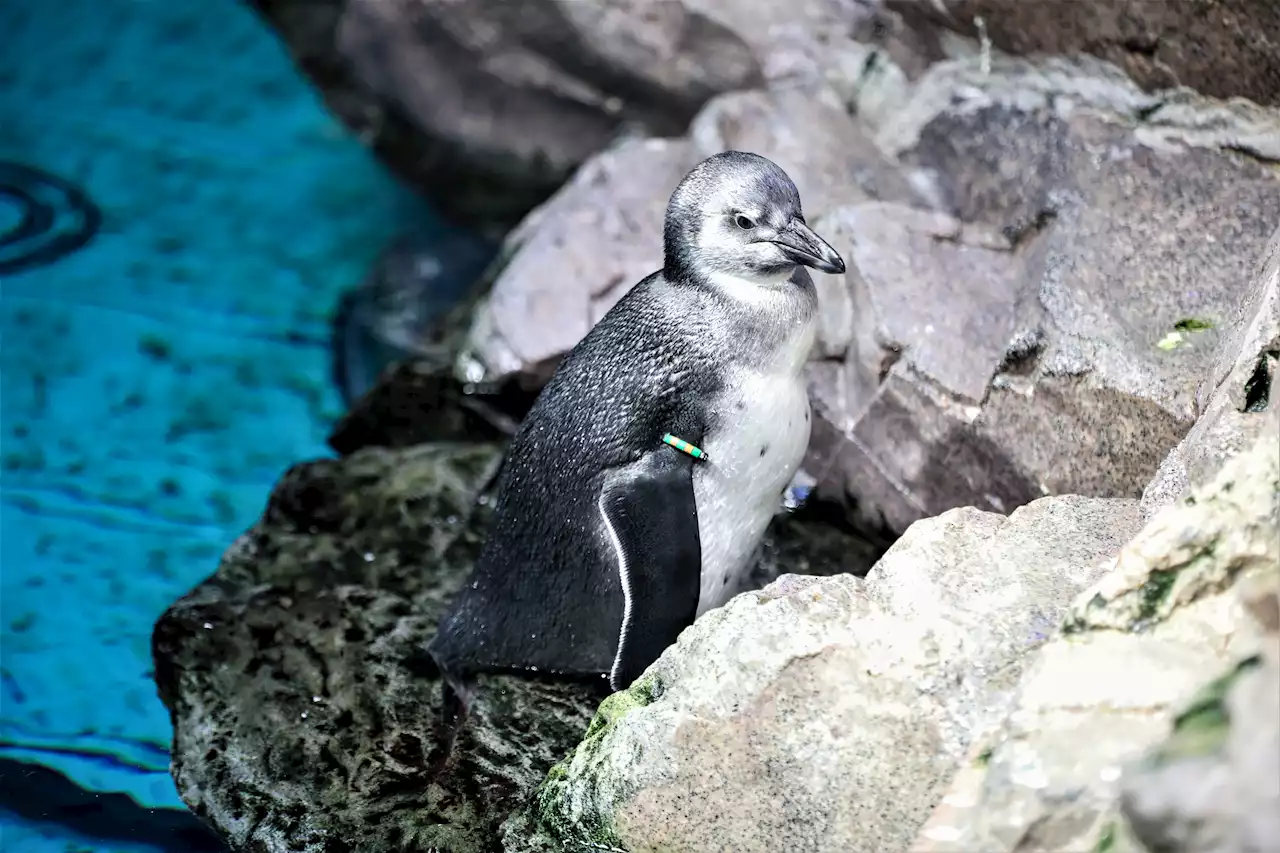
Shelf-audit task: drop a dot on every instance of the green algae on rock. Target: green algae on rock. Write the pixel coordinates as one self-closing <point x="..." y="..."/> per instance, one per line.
<point x="304" y="705"/>
<point x="1142" y="641"/>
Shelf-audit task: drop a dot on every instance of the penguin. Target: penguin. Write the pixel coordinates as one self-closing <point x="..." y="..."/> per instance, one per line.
<point x="639" y="485"/>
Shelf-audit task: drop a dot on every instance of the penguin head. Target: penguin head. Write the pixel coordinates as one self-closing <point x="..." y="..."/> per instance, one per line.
<point x="737" y="218"/>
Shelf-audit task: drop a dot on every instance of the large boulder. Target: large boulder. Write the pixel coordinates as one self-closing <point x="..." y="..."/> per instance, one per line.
<point x="306" y="711"/>
<point x="1135" y="650"/>
<point x="572" y="259"/>
<point x="1226" y="48"/>
<point x="1048" y="334"/>
<point x="825" y="714"/>
<point x="488" y="105"/>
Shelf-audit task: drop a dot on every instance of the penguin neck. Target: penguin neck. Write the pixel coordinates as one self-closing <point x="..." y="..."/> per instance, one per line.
<point x="769" y="322"/>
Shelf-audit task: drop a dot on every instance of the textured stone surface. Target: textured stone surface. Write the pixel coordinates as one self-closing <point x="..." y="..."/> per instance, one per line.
<point x="1223" y="48"/>
<point x="573" y="258"/>
<point x="1134" y="650"/>
<point x="1237" y="389"/>
<point x="304" y="706"/>
<point x="1212" y="784"/>
<point x="809" y="133"/>
<point x="823" y="714"/>
<point x="489" y="106"/>
<point x="1029" y="350"/>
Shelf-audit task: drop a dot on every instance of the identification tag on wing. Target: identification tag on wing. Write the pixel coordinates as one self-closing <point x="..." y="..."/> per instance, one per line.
<point x="685" y="447"/>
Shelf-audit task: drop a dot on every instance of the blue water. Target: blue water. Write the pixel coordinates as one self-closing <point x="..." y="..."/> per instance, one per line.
<point x="155" y="382"/>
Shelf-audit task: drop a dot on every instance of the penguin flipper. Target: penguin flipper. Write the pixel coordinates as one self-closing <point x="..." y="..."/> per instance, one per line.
<point x="650" y="515"/>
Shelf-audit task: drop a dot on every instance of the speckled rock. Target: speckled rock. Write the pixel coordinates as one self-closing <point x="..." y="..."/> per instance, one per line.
<point x="1225" y="48"/>
<point x="304" y="705"/>
<point x="1236" y="391"/>
<point x="1135" y="648"/>
<point x="824" y="714"/>
<point x="1050" y="335"/>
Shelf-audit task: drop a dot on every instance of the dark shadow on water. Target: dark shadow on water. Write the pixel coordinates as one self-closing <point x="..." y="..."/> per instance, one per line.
<point x="42" y="795"/>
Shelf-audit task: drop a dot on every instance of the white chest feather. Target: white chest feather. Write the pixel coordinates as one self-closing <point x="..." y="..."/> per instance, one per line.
<point x="754" y="453"/>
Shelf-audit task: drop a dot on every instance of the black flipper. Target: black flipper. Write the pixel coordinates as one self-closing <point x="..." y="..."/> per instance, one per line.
<point x="653" y="523"/>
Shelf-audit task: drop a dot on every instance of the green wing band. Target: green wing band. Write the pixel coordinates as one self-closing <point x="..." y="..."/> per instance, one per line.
<point x="684" y="446"/>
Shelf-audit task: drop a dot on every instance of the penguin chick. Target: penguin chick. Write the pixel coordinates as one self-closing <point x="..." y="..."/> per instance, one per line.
<point x="609" y="539"/>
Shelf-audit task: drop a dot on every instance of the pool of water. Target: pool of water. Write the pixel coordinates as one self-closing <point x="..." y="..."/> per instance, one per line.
<point x="178" y="217"/>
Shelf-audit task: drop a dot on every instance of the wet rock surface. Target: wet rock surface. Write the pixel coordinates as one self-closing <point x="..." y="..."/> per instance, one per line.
<point x="822" y="714"/>
<point x="305" y="708"/>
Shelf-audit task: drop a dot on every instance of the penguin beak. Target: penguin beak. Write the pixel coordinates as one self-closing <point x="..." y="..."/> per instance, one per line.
<point x="799" y="243"/>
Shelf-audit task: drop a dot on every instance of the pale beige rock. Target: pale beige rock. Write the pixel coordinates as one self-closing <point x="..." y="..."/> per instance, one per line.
<point x="1135" y="648"/>
<point x="810" y="134"/>
<point x="824" y="713"/>
<point x="574" y="257"/>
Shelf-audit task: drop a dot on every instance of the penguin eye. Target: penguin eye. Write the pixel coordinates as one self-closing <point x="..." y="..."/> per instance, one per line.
<point x="743" y="222"/>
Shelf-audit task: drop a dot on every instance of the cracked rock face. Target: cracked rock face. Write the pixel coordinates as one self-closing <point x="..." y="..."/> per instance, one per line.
<point x="1135" y="650"/>
<point x="1236" y="390"/>
<point x="825" y="714"/>
<point x="1049" y="336"/>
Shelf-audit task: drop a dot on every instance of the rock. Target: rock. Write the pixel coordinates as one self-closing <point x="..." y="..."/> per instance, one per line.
<point x="573" y="258"/>
<point x="823" y="714"/>
<point x="396" y="312"/>
<point x="1225" y="49"/>
<point x="1212" y="784"/>
<point x="1049" y="335"/>
<point x="810" y="134"/>
<point x="303" y="702"/>
<point x="1235" y="392"/>
<point x="487" y="106"/>
<point x="1134" y="649"/>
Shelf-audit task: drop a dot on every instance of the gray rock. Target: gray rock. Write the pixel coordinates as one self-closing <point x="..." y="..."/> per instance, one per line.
<point x="810" y="134"/>
<point x="1238" y="388"/>
<point x="573" y="258"/>
<point x="1031" y="345"/>
<point x="489" y="106"/>
<point x="1225" y="49"/>
<point x="397" y="311"/>
<point x="824" y="714"/>
<point x="1212" y="784"/>
<point x="1134" y="649"/>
